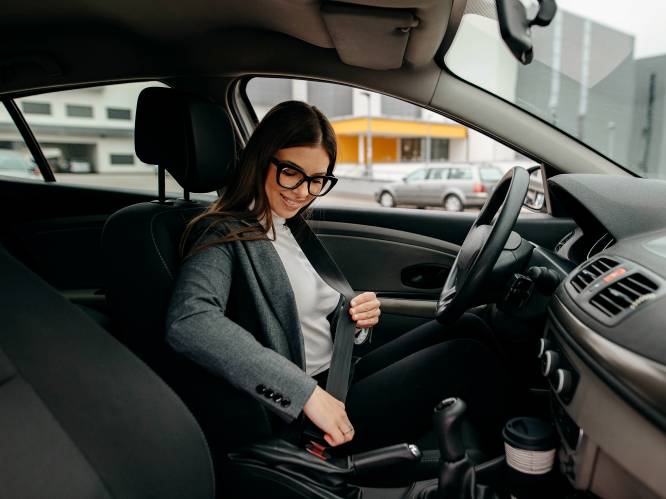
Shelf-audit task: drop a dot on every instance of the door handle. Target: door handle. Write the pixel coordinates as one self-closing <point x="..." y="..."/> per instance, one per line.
<point x="424" y="276"/>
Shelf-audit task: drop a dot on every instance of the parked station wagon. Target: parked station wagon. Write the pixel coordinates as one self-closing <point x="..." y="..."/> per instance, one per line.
<point x="453" y="187"/>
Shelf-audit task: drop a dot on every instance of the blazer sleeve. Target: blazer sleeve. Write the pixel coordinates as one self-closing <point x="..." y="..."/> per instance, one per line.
<point x="198" y="328"/>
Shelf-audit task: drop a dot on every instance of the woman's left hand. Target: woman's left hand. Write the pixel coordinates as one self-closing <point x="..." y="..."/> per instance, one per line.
<point x="364" y="310"/>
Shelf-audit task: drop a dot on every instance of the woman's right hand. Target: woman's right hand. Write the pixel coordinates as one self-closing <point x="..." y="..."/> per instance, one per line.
<point x="329" y="415"/>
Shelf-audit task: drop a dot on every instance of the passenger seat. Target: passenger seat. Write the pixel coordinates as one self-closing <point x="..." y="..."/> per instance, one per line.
<point x="80" y="416"/>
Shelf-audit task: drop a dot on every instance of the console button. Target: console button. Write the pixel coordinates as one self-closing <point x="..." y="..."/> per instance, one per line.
<point x="549" y="363"/>
<point x="563" y="382"/>
<point x="544" y="345"/>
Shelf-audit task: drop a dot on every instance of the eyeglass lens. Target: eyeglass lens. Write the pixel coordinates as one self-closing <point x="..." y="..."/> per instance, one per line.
<point x="291" y="178"/>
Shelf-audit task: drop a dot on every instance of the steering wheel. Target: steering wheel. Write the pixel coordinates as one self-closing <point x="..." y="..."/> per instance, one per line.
<point x="483" y="245"/>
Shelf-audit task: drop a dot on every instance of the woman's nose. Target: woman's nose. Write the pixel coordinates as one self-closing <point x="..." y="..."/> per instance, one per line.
<point x="302" y="190"/>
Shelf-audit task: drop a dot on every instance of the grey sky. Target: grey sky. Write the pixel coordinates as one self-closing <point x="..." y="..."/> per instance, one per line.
<point x="642" y="18"/>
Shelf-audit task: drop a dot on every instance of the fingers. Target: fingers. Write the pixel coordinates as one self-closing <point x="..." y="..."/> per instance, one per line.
<point x="365" y="310"/>
<point x="366" y="315"/>
<point x="366" y="306"/>
<point x="343" y="433"/>
<point x="329" y="415"/>
<point x="362" y="298"/>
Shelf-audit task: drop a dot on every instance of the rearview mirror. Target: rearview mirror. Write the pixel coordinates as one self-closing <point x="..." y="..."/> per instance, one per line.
<point x="516" y="18"/>
<point x="535" y="199"/>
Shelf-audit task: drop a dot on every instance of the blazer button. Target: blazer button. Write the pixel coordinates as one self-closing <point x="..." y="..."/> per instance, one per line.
<point x="277" y="397"/>
<point x="261" y="389"/>
<point x="285" y="402"/>
<point x="269" y="394"/>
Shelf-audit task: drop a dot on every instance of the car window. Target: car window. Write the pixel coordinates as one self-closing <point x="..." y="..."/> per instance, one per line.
<point x="460" y="174"/>
<point x="385" y="144"/>
<point x="597" y="74"/>
<point x="416" y="176"/>
<point x="87" y="136"/>
<point x="490" y="174"/>
<point x="437" y="174"/>
<point x="15" y="158"/>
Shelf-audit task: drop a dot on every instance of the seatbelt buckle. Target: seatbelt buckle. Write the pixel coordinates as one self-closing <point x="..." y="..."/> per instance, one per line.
<point x="314" y="442"/>
<point x="317" y="450"/>
<point x="363" y="335"/>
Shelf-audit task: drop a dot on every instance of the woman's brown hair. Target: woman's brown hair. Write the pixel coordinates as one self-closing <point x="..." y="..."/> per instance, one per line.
<point x="289" y="124"/>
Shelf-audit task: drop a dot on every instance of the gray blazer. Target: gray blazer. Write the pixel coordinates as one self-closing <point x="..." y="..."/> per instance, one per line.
<point x="233" y="312"/>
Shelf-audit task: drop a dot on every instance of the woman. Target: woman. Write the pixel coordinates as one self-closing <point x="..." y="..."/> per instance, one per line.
<point x="249" y="307"/>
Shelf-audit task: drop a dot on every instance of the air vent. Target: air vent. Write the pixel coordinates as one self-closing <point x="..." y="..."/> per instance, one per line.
<point x="627" y="293"/>
<point x="592" y="271"/>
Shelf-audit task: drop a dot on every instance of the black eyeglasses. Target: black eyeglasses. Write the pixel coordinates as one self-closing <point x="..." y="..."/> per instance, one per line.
<point x="291" y="176"/>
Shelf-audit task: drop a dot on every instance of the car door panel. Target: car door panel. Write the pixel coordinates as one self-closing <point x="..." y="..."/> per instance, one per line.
<point x="375" y="258"/>
<point x="375" y="247"/>
<point x="57" y="233"/>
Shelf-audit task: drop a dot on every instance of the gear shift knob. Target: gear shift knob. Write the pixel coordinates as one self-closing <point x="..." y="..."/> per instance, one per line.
<point x="448" y="420"/>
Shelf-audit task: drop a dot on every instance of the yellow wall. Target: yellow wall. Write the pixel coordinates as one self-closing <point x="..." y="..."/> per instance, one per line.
<point x="347" y="149"/>
<point x="400" y="128"/>
<point x="384" y="150"/>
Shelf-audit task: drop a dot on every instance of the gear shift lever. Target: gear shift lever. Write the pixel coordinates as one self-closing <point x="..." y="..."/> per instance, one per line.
<point x="448" y="419"/>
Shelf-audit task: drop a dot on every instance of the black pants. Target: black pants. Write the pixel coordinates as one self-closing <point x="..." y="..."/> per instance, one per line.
<point x="396" y="386"/>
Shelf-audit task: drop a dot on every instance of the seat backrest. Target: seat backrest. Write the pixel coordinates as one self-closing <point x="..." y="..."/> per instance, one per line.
<point x="194" y="141"/>
<point x="140" y="246"/>
<point x="80" y="416"/>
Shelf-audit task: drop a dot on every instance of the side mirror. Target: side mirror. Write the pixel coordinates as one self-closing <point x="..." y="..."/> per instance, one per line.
<point x="516" y="18"/>
<point x="535" y="199"/>
<point x="404" y="180"/>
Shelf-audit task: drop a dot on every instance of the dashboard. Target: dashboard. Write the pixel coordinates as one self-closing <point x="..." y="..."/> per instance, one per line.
<point x="603" y="351"/>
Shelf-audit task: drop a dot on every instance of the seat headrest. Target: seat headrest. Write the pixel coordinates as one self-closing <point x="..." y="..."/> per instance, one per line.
<point x="192" y="138"/>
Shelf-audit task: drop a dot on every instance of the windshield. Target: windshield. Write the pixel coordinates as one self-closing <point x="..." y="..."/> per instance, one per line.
<point x="598" y="74"/>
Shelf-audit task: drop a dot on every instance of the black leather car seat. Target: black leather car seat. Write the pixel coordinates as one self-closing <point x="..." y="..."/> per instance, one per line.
<point x="193" y="140"/>
<point x="80" y="416"/>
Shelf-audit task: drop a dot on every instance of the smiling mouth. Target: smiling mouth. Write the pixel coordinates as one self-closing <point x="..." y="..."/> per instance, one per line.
<point x="291" y="203"/>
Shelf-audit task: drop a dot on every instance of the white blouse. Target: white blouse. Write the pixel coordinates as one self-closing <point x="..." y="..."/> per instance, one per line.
<point x="315" y="299"/>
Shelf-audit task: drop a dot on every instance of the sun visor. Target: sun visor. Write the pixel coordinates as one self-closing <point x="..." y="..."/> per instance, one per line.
<point x="369" y="37"/>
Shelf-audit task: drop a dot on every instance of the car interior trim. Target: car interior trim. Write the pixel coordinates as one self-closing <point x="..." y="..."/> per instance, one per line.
<point x="367" y="231"/>
<point x="637" y="379"/>
<point x="641" y="451"/>
<point x="411" y="308"/>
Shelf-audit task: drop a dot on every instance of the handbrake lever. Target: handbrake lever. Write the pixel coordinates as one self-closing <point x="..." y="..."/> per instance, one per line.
<point x="383" y="457"/>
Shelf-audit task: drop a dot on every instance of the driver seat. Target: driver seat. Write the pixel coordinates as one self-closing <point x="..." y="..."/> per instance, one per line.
<point x="193" y="140"/>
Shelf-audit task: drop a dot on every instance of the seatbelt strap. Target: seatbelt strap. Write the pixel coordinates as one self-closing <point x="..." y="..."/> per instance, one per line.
<point x="343" y="343"/>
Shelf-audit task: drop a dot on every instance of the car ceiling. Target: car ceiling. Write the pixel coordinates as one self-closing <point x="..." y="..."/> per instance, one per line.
<point x="140" y="36"/>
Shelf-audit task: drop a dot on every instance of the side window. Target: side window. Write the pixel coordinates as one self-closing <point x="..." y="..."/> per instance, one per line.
<point x="460" y="174"/>
<point x="15" y="158"/>
<point x="87" y="136"/>
<point x="384" y="142"/>
<point x="417" y="176"/>
<point x="437" y="174"/>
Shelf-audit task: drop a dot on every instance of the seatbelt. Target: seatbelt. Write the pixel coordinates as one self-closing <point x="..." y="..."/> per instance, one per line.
<point x="343" y="343"/>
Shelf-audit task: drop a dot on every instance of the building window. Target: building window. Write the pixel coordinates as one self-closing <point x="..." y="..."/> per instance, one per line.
<point x="116" y="113"/>
<point x="122" y="159"/>
<point x="410" y="149"/>
<point x="79" y="111"/>
<point x="36" y="107"/>
<point x="439" y="149"/>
